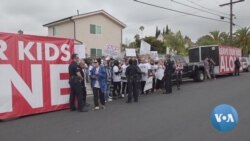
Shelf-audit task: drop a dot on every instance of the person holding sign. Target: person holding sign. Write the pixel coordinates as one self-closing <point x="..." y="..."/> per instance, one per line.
<point x="159" y="74"/>
<point x="145" y="67"/>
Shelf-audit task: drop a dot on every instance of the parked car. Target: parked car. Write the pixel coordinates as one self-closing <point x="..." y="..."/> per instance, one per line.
<point x="245" y="64"/>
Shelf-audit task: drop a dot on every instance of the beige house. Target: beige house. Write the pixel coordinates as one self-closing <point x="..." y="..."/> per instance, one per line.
<point x="95" y="30"/>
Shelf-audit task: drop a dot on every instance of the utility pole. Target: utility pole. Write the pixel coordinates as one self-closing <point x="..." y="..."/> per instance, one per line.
<point x="231" y="17"/>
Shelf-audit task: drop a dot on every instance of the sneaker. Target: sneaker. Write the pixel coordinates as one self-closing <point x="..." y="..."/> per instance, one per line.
<point x="110" y="99"/>
<point x="96" y="108"/>
<point x="122" y="95"/>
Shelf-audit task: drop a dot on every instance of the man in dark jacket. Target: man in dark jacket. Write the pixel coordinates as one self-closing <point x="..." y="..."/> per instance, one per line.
<point x="168" y="74"/>
<point x="75" y="84"/>
<point x="133" y="77"/>
<point x="237" y="66"/>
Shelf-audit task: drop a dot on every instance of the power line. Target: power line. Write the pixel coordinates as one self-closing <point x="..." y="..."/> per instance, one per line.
<point x="177" y="11"/>
<point x="222" y="17"/>
<point x="231" y="3"/>
<point x="194" y="3"/>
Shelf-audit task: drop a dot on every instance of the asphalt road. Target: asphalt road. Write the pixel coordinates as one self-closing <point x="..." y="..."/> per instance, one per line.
<point x="182" y="116"/>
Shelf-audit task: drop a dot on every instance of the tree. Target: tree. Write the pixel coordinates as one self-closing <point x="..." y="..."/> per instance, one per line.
<point x="242" y="39"/>
<point x="215" y="37"/>
<point x="137" y="40"/>
<point x="157" y="32"/>
<point x="156" y="45"/>
<point x="142" y="29"/>
<point x="176" y="42"/>
<point x="167" y="30"/>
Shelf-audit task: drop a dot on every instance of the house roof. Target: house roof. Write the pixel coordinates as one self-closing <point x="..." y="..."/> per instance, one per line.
<point x="85" y="15"/>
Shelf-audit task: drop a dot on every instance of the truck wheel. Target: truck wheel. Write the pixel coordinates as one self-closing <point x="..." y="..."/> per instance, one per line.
<point x="200" y="76"/>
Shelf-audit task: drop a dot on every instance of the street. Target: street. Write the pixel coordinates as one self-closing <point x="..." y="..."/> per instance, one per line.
<point x="181" y="116"/>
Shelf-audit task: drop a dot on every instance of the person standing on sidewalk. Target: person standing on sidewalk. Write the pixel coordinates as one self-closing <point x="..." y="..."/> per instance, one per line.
<point x="211" y="67"/>
<point x="124" y="78"/>
<point x="82" y="66"/>
<point x="98" y="76"/>
<point x="159" y="76"/>
<point x="168" y="74"/>
<point x="237" y="66"/>
<point x="75" y="84"/>
<point x="133" y="74"/>
<point x="108" y="68"/>
<point x="206" y="66"/>
<point x="178" y="73"/>
<point x="144" y="67"/>
<point x="116" y="80"/>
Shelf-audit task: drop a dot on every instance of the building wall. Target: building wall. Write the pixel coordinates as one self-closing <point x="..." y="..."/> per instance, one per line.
<point x="65" y="30"/>
<point x="111" y="32"/>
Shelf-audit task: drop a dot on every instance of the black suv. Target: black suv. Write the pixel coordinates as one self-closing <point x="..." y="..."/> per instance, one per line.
<point x="193" y="71"/>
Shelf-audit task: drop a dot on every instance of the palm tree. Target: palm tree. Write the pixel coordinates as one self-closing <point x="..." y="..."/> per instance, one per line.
<point x="137" y="37"/>
<point x="243" y="39"/>
<point x="142" y="29"/>
<point x="216" y="36"/>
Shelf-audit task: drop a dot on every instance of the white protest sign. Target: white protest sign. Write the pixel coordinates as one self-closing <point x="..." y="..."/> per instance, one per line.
<point x="130" y="52"/>
<point x="111" y="50"/>
<point x="154" y="55"/>
<point x="149" y="84"/>
<point x="145" y="48"/>
<point x="80" y="50"/>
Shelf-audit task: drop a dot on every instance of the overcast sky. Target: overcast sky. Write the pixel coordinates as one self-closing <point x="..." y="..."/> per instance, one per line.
<point x="30" y="15"/>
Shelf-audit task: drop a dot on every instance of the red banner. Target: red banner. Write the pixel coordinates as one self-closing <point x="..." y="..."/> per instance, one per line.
<point x="227" y="57"/>
<point x="33" y="74"/>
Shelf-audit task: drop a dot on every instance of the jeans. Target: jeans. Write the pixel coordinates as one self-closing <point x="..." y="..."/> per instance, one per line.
<point x="117" y="88"/>
<point x="107" y="93"/>
<point x="98" y="95"/>
<point x="124" y="87"/>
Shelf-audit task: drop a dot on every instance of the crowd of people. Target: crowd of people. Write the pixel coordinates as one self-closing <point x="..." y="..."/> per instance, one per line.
<point x="113" y="79"/>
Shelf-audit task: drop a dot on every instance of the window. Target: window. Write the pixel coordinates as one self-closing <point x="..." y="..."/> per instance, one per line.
<point x="54" y="31"/>
<point x="95" y="29"/>
<point x="95" y="52"/>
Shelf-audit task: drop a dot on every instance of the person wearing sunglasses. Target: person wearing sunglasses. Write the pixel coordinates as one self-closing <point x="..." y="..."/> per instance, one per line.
<point x="99" y="84"/>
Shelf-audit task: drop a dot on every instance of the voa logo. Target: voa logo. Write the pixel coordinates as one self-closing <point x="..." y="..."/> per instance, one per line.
<point x="224" y="118"/>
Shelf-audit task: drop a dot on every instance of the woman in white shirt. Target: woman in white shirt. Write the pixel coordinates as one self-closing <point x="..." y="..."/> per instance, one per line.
<point x="123" y="78"/>
<point x="116" y="80"/>
<point x="159" y="74"/>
